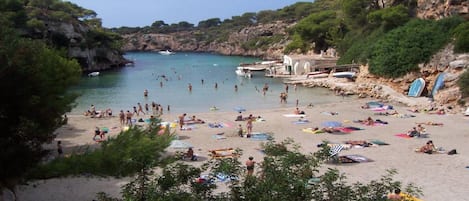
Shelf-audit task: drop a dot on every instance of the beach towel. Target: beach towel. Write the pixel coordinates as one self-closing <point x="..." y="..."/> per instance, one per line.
<point x="379" y="142"/>
<point x="215" y="125"/>
<point x="218" y="137"/>
<point x="330" y="113"/>
<point x="301" y="121"/>
<point x="403" y="135"/>
<point x="358" y="158"/>
<point x="260" y="136"/>
<point x="294" y="115"/>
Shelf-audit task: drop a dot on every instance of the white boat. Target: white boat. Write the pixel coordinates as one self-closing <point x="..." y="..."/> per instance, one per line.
<point x="244" y="72"/>
<point x="317" y="74"/>
<point x="166" y="52"/>
<point x="344" y="74"/>
<point x="93" y="74"/>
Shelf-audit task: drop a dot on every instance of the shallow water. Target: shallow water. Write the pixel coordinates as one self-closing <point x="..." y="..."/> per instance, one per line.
<point x="167" y="77"/>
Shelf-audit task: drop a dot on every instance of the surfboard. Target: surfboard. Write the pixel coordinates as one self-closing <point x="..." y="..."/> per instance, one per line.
<point x="416" y="87"/>
<point x="439" y="82"/>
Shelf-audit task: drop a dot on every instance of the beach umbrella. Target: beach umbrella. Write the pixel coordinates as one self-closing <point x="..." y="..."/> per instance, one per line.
<point x="179" y="144"/>
<point x="331" y="124"/>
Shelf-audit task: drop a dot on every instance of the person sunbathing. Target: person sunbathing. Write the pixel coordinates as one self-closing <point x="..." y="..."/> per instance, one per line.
<point x="330" y="130"/>
<point x="430" y="123"/>
<point x="428" y="148"/>
<point x="414" y="132"/>
<point x="369" y="121"/>
<point x="362" y="143"/>
<point x="194" y="120"/>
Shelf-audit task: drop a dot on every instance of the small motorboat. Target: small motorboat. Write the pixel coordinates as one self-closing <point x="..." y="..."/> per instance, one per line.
<point x="166" y="52"/>
<point x="244" y="72"/>
<point x="93" y="74"/>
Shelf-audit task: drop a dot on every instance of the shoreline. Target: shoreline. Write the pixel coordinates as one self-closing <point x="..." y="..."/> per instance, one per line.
<point x="441" y="176"/>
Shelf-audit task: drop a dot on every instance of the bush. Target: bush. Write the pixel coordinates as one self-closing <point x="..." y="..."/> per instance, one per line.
<point x="461" y="34"/>
<point x="284" y="175"/>
<point x="402" y="49"/>
<point x="126" y="154"/>
<point x="463" y="84"/>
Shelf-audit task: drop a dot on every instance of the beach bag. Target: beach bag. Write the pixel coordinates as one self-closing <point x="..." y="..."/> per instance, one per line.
<point x="452" y="152"/>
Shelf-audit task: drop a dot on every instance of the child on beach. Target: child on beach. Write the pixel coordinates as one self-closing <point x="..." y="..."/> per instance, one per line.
<point x="250" y="166"/>
<point x="240" y="130"/>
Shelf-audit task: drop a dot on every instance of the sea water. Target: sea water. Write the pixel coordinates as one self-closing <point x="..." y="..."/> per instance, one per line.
<point x="167" y="79"/>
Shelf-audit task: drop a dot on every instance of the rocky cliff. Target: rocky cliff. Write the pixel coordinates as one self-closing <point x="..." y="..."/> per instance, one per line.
<point x="76" y="38"/>
<point x="187" y="41"/>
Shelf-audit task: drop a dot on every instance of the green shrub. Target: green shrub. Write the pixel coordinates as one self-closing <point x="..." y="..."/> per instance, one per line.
<point x="402" y="49"/>
<point x="284" y="175"/>
<point x="463" y="84"/>
<point x="461" y="34"/>
<point x="126" y="154"/>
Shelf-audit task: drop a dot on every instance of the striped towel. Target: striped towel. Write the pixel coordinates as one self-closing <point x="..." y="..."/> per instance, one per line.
<point x="335" y="149"/>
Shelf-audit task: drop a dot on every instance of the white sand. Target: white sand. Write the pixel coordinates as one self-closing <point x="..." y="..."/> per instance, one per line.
<point x="442" y="177"/>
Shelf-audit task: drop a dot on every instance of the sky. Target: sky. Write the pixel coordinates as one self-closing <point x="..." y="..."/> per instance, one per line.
<point x="139" y="13"/>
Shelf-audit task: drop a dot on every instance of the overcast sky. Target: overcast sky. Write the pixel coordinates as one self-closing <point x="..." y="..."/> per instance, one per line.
<point x="133" y="13"/>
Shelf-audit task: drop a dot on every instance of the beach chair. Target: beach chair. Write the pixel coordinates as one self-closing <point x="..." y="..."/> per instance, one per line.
<point x="335" y="149"/>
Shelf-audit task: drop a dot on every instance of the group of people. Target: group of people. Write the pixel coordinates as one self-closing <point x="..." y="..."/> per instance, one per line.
<point x="93" y="113"/>
<point x="249" y="120"/>
<point x="416" y="131"/>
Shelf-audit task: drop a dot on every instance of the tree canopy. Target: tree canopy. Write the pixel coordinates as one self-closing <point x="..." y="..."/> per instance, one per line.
<point x="34" y="80"/>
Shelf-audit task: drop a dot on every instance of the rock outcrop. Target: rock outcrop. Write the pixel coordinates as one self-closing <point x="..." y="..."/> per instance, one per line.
<point x="187" y="41"/>
<point x="74" y="36"/>
<point x="437" y="9"/>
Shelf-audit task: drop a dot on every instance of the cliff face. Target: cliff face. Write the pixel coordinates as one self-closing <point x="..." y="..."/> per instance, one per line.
<point x="434" y="9"/>
<point x="74" y="36"/>
<point x="187" y="41"/>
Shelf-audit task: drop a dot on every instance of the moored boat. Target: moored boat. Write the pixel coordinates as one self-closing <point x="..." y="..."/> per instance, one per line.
<point x="93" y="74"/>
<point x="416" y="87"/>
<point x="166" y="52"/>
<point x="244" y="72"/>
<point x="346" y="74"/>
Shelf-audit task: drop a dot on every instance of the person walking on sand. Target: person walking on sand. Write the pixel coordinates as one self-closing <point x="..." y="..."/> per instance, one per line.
<point x="140" y="109"/>
<point x="122" y="117"/>
<point x="249" y="127"/>
<point x="181" y="120"/>
<point x="250" y="166"/>
<point x="128" y="117"/>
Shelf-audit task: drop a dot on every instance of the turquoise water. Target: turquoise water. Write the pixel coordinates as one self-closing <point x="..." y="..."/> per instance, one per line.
<point x="123" y="88"/>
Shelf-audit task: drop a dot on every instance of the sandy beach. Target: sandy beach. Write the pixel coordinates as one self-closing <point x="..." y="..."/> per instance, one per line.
<point x="441" y="176"/>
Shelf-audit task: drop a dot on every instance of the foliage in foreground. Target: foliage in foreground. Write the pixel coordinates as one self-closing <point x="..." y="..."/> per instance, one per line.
<point x="34" y="82"/>
<point x="131" y="151"/>
<point x="285" y="174"/>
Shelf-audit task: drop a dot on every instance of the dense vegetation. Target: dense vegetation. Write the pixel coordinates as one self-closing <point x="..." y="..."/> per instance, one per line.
<point x="34" y="80"/>
<point x="285" y="174"/>
<point x="35" y="74"/>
